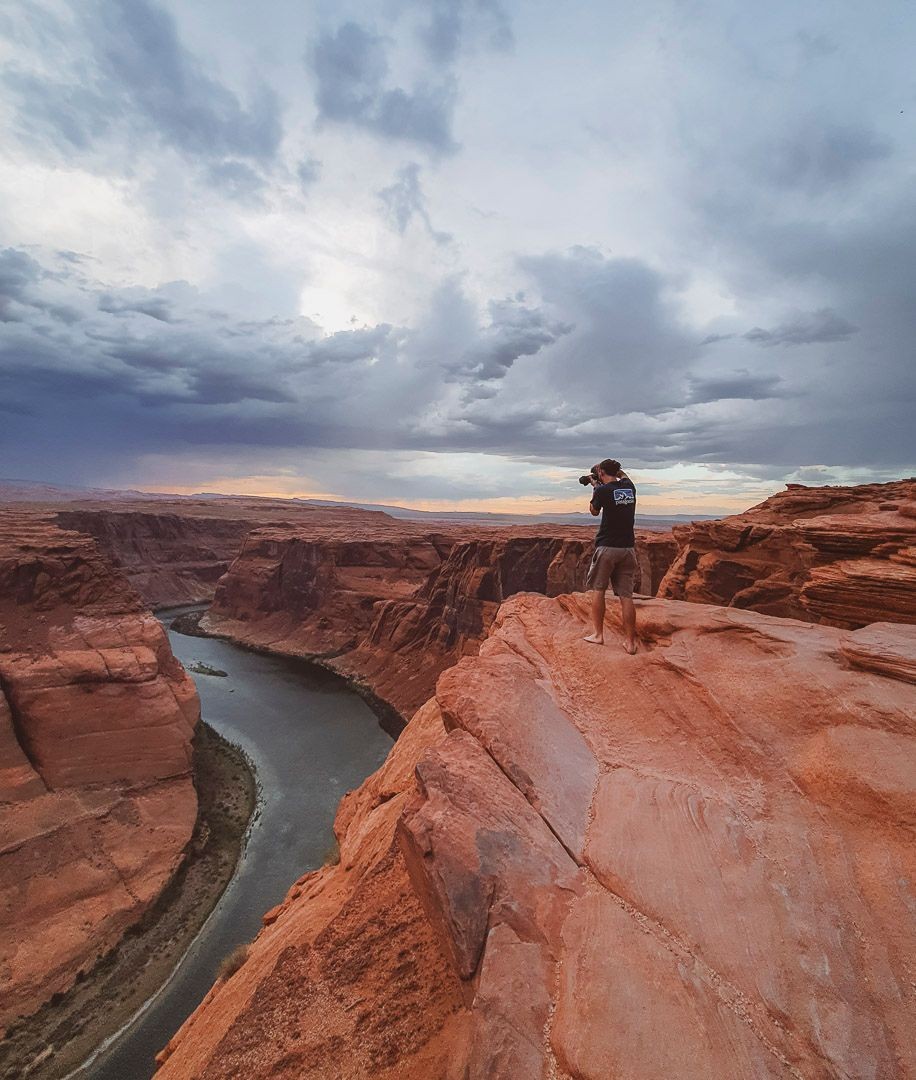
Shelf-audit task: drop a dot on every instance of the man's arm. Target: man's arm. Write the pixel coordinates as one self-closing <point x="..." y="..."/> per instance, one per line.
<point x="592" y="508"/>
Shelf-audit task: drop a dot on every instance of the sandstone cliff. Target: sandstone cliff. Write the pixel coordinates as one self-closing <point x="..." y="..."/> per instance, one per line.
<point x="97" y="802"/>
<point x="841" y="556"/>
<point x="696" y="862"/>
<point x="170" y="558"/>
<point x="392" y="606"/>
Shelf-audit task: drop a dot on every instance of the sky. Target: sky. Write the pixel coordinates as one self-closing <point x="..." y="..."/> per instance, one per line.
<point x="451" y="254"/>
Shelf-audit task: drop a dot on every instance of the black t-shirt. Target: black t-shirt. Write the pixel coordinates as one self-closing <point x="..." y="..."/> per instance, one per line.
<point x="617" y="503"/>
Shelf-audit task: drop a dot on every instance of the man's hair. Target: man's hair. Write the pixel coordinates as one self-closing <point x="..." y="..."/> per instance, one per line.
<point x="609" y="466"/>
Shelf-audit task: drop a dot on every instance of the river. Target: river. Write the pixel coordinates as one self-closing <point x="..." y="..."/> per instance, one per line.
<point x="311" y="739"/>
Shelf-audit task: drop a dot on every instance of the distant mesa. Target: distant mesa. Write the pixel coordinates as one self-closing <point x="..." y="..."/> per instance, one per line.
<point x="28" y="491"/>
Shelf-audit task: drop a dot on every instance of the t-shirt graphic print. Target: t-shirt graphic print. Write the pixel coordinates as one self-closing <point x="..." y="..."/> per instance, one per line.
<point x="617" y="503"/>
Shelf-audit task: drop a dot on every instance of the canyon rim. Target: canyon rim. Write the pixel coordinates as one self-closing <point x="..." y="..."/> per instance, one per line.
<point x="546" y="868"/>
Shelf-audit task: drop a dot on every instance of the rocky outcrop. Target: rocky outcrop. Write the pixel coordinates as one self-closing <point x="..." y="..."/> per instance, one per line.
<point x="841" y="556"/>
<point x="97" y="802"/>
<point x="391" y="608"/>
<point x="693" y="862"/>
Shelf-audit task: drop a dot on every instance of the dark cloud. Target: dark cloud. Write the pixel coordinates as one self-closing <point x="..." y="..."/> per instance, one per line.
<point x="782" y="193"/>
<point x="404" y="200"/>
<point x="823" y="325"/>
<point x="349" y="346"/>
<point x="211" y="386"/>
<point x="452" y="21"/>
<point x="815" y="44"/>
<point x="816" y="474"/>
<point x="819" y="155"/>
<point x="308" y="171"/>
<point x="141" y="301"/>
<point x="236" y="180"/>
<point x="69" y="116"/>
<point x="18" y="271"/>
<point x="442" y="35"/>
<point x="141" y="354"/>
<point x="351" y="68"/>
<point x="139" y="52"/>
<point x="19" y="278"/>
<point x="628" y="347"/>
<point x="514" y="330"/>
<point x="500" y="26"/>
<point x="142" y="80"/>
<point x="739" y="385"/>
<point x="711" y="339"/>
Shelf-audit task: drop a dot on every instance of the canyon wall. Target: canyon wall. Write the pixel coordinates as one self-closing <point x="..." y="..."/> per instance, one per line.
<point x="97" y="802"/>
<point x="392" y="607"/>
<point x="171" y="559"/>
<point x="693" y="862"/>
<point x="841" y="556"/>
<point x="173" y="551"/>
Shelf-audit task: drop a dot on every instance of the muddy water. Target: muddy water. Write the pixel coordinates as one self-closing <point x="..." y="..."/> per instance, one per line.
<point x="310" y="740"/>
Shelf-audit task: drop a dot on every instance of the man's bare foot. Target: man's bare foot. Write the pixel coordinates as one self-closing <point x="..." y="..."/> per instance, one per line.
<point x="630" y="647"/>
<point x="595" y="639"/>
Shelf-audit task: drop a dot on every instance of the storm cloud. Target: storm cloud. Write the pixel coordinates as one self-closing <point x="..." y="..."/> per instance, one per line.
<point x="823" y="325"/>
<point x="462" y="235"/>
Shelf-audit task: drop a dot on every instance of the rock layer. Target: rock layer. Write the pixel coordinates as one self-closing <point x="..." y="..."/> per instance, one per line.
<point x="693" y="862"/>
<point x="96" y="797"/>
<point x="393" y="607"/>
<point x="841" y="556"/>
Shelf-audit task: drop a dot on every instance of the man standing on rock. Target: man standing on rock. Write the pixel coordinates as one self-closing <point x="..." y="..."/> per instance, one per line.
<point x="614" y="561"/>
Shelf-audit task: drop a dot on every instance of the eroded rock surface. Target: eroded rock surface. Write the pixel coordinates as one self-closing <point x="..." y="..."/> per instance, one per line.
<point x="695" y="862"/>
<point x="97" y="802"/>
<point x="835" y="555"/>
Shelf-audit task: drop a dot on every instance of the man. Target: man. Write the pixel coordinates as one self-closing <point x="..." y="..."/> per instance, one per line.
<point x="614" y="561"/>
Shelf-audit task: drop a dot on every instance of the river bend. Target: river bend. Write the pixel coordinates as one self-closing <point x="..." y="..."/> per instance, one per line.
<point x="310" y="739"/>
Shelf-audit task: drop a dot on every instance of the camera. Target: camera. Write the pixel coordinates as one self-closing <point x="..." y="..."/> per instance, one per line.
<point x="590" y="478"/>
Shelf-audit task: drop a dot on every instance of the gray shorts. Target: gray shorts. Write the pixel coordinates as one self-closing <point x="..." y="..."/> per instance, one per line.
<point x="613" y="565"/>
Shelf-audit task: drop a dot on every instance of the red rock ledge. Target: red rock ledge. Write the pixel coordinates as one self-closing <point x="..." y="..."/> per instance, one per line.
<point x="97" y="801"/>
<point x="697" y="862"/>
<point x="835" y="555"/>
